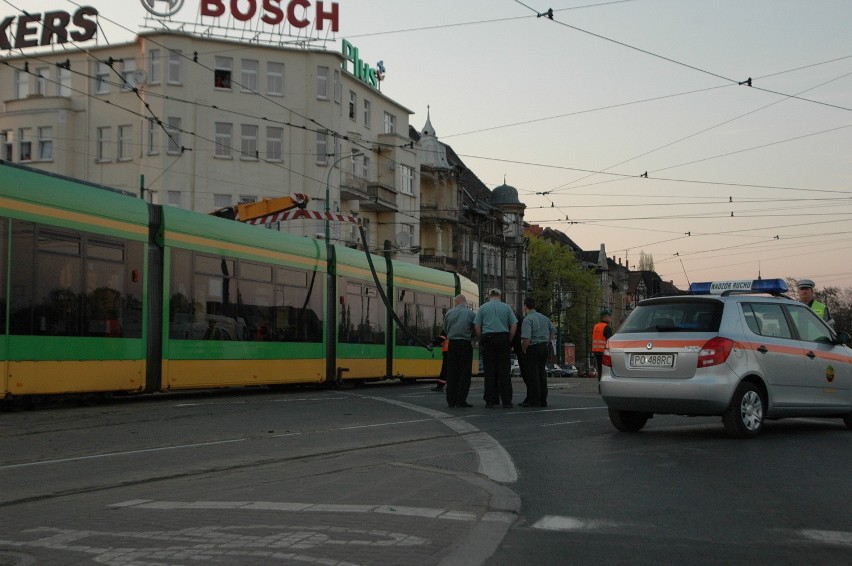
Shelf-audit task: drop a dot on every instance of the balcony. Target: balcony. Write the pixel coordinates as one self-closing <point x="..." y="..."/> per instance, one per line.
<point x="443" y="263"/>
<point x="371" y="195"/>
<point x="436" y="213"/>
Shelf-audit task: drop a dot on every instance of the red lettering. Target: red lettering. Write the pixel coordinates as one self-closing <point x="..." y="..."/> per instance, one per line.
<point x="271" y="7"/>
<point x="88" y="26"/>
<point x="213" y="8"/>
<point x="291" y="13"/>
<point x="23" y="31"/>
<point x="333" y="15"/>
<point x="243" y="17"/>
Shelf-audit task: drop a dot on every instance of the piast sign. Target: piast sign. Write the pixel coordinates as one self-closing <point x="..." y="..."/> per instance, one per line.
<point x="56" y="27"/>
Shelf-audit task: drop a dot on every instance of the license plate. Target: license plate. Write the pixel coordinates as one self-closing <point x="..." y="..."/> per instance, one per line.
<point x="652" y="360"/>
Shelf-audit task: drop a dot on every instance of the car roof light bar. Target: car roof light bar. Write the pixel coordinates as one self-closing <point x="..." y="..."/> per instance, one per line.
<point x="770" y="286"/>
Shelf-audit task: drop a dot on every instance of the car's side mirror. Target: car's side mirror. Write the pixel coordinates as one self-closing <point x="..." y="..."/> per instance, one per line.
<point x="843" y="338"/>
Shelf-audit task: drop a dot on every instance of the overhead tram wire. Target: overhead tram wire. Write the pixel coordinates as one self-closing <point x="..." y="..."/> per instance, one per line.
<point x="748" y="82"/>
<point x="705" y="130"/>
<point x="622" y="176"/>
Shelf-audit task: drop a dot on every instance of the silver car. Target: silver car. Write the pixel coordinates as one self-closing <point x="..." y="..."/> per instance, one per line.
<point x="741" y="350"/>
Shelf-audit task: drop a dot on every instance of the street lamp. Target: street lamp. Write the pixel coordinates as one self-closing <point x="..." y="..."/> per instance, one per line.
<point x="327" y="190"/>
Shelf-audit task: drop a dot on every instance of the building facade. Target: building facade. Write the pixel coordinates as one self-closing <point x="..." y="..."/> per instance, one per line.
<point x="466" y="227"/>
<point x="204" y="123"/>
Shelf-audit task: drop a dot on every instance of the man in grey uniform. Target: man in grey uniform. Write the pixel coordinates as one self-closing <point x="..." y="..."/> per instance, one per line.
<point x="536" y="334"/>
<point x="458" y="326"/>
<point x="496" y="325"/>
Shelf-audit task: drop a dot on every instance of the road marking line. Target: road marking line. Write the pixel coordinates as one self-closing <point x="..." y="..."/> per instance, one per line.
<point x="839" y="538"/>
<point x="563" y="523"/>
<point x="494" y="461"/>
<point x="291" y="507"/>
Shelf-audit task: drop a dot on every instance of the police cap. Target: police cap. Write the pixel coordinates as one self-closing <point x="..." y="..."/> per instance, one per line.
<point x="805" y="284"/>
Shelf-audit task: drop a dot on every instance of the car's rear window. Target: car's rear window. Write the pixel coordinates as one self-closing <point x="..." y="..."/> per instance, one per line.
<point x="674" y="316"/>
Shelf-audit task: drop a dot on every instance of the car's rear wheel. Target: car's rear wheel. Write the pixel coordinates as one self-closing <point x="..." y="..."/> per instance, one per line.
<point x="744" y="416"/>
<point x="628" y="421"/>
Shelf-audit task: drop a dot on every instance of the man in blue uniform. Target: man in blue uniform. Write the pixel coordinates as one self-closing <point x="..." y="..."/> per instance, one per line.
<point x="536" y="333"/>
<point x="458" y="326"/>
<point x="496" y="325"/>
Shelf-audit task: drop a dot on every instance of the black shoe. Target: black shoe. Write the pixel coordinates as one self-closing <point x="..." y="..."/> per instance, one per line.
<point x="527" y="404"/>
<point x="544" y="404"/>
<point x="438" y="388"/>
<point x="491" y="405"/>
<point x="464" y="405"/>
<point x="451" y="405"/>
<point x="507" y="405"/>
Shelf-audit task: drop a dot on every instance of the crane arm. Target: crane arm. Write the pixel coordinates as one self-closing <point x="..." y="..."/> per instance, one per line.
<point x="247" y="211"/>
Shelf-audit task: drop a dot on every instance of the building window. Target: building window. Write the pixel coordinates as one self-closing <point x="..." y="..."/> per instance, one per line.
<point x="248" y="141"/>
<point x="322" y="82"/>
<point x="64" y="81"/>
<point x="125" y="143"/>
<point x="45" y="143"/>
<point x="102" y="150"/>
<point x="174" y="66"/>
<point x="42" y="75"/>
<point x="102" y="78"/>
<point x="222" y="73"/>
<point x="154" y="67"/>
<point x="353" y="104"/>
<point x="365" y="167"/>
<point x="8" y="145"/>
<point x="250" y="69"/>
<point x="368" y="112"/>
<point x="338" y="87"/>
<point x="275" y="79"/>
<point x="224" y="137"/>
<point x="22" y="84"/>
<point x="25" y="139"/>
<point x="128" y="68"/>
<point x="407" y="185"/>
<point x="322" y="148"/>
<point x="274" y="143"/>
<point x="173" y="198"/>
<point x="153" y="129"/>
<point x="390" y="123"/>
<point x="221" y="201"/>
<point x="173" y="129"/>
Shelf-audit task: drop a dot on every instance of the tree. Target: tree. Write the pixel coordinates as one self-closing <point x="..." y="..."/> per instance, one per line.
<point x="646" y="262"/>
<point x="563" y="290"/>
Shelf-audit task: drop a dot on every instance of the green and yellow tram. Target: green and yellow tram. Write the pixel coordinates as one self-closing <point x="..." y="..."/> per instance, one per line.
<point x="103" y="293"/>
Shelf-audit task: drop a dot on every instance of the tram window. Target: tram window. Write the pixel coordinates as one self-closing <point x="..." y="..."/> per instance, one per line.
<point x="104" y="291"/>
<point x="59" y="243"/>
<point x="3" y="264"/>
<point x="214" y="265"/>
<point x="112" y="251"/>
<point x="256" y="301"/>
<point x="361" y="316"/>
<point x="255" y="272"/>
<point x="407" y="313"/>
<point x="293" y="278"/>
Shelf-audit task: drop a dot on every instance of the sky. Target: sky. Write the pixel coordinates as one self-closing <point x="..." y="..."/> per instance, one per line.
<point x="624" y="123"/>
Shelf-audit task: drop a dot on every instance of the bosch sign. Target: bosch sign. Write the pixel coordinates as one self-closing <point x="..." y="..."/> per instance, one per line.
<point x="56" y="27"/>
<point x="273" y="13"/>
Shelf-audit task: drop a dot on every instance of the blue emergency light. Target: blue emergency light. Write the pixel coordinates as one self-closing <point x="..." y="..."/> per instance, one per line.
<point x="771" y="286"/>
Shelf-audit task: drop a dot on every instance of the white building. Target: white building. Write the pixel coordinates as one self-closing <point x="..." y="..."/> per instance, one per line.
<point x="204" y="123"/>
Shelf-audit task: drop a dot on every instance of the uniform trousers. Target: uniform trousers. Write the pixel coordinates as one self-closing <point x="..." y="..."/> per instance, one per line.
<point x="459" y="360"/>
<point x="536" y="378"/>
<point x="496" y="357"/>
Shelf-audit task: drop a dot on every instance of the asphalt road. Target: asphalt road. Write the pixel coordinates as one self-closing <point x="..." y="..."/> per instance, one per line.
<point x="387" y="474"/>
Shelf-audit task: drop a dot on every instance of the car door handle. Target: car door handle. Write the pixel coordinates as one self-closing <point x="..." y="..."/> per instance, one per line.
<point x="762" y="349"/>
<point x="811" y="355"/>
